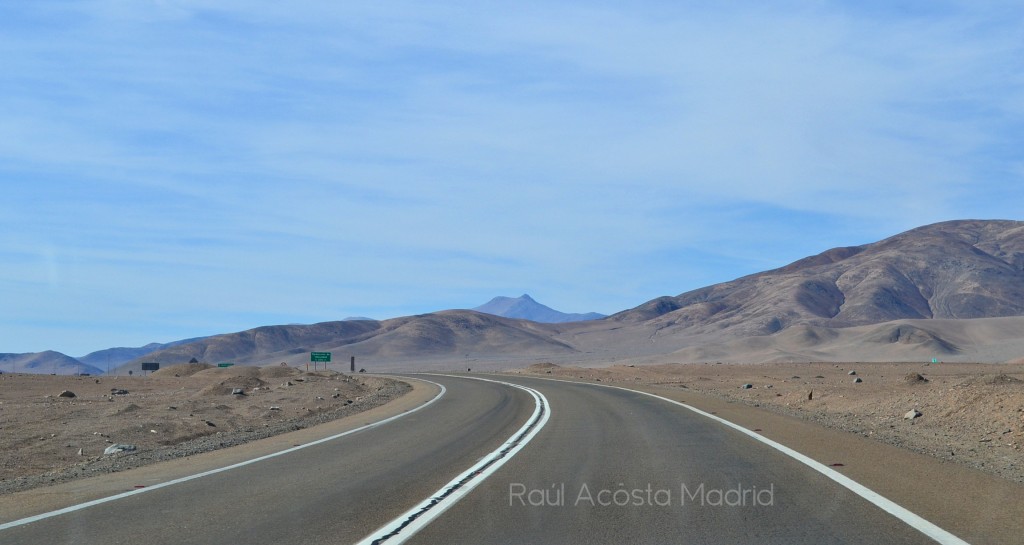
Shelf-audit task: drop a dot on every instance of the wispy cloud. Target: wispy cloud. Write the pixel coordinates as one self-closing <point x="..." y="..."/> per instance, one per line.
<point x="192" y="167"/>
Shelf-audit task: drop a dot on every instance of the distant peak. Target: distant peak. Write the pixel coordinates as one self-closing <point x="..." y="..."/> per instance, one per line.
<point x="526" y="308"/>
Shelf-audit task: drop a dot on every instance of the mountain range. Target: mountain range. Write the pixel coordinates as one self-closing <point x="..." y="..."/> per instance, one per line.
<point x="951" y="291"/>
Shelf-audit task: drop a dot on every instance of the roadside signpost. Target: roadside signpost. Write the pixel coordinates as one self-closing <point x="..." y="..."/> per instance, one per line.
<point x="150" y="366"/>
<point x="225" y="364"/>
<point x="319" y="357"/>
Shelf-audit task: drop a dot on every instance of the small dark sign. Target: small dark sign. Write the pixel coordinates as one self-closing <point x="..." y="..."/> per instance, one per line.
<point x="150" y="366"/>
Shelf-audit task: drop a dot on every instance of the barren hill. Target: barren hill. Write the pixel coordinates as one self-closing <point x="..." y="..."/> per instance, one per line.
<point x="113" y="357"/>
<point x="258" y="344"/>
<point x="959" y="270"/>
<point x="44" y="362"/>
<point x="447" y="335"/>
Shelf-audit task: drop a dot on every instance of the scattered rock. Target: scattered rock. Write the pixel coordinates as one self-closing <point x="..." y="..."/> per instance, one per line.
<point x="275" y="408"/>
<point x="852" y="373"/>
<point x="118" y="392"/>
<point x="81" y="452"/>
<point x="914" y="378"/>
<point x="858" y="380"/>
<point x="912" y="414"/>
<point x="118" y="447"/>
<point x="67" y="393"/>
<point x="1003" y="378"/>
<point x="211" y="424"/>
<point x="810" y="395"/>
<point x="747" y="386"/>
<point x="237" y="392"/>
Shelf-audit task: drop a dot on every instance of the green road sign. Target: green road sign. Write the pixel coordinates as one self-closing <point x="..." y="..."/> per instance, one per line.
<point x="320" y="356"/>
<point x="224" y="364"/>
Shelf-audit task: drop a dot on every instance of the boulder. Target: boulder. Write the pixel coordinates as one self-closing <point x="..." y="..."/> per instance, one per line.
<point x="118" y="447"/>
<point x="912" y="414"/>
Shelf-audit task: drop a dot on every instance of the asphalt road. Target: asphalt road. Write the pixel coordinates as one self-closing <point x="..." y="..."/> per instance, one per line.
<point x="610" y="466"/>
<point x="618" y="442"/>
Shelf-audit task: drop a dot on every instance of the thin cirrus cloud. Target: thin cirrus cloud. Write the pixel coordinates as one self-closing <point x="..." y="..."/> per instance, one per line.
<point x="177" y="168"/>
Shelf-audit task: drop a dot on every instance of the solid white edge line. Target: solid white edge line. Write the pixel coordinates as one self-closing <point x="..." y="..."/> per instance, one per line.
<point x="443" y="505"/>
<point x="911" y="519"/>
<point x="80" y="506"/>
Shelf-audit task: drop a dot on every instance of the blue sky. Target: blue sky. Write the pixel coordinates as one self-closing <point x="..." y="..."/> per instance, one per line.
<point x="180" y="168"/>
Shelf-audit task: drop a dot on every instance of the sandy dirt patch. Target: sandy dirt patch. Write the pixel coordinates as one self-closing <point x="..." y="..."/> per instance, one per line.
<point x="49" y="438"/>
<point x="971" y="414"/>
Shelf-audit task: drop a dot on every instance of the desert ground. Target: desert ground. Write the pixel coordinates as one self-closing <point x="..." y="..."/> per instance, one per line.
<point x="178" y="411"/>
<point x="971" y="414"/>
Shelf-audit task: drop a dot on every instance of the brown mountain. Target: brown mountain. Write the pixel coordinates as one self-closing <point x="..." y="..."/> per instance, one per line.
<point x="959" y="269"/>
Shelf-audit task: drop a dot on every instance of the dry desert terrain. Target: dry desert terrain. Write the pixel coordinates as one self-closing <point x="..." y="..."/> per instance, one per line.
<point x="178" y="411"/>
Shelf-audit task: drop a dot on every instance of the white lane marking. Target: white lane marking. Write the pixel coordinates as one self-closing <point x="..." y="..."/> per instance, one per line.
<point x="412" y="521"/>
<point x="35" y="518"/>
<point x="913" y="520"/>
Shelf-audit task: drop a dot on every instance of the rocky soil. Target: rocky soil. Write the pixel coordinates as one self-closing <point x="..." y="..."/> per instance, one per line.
<point x="968" y="413"/>
<point x="178" y="411"/>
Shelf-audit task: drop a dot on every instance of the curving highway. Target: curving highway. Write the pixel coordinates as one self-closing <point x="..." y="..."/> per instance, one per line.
<point x="604" y="466"/>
